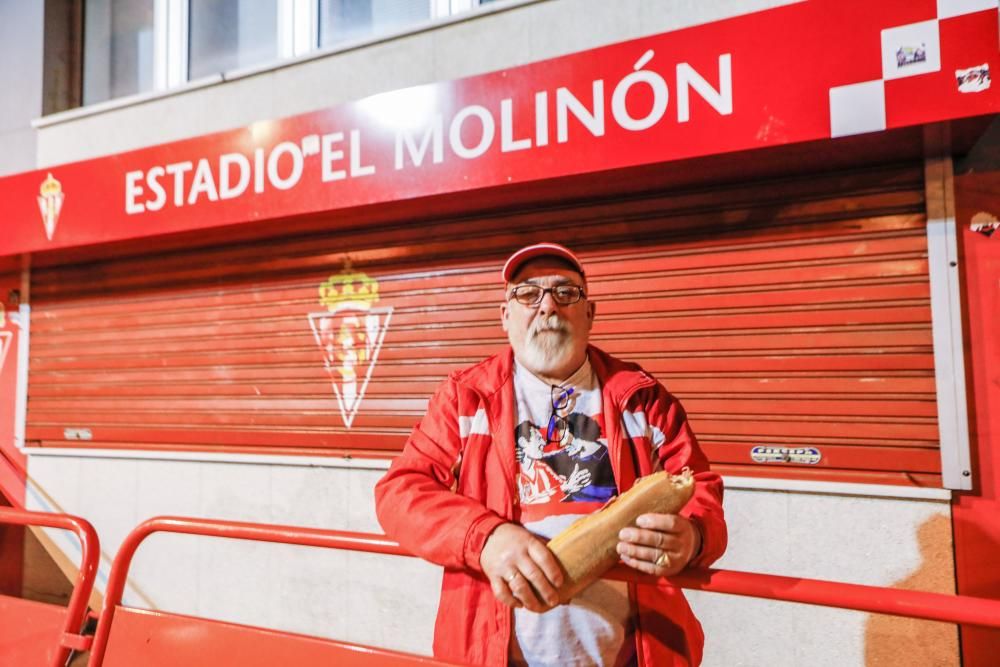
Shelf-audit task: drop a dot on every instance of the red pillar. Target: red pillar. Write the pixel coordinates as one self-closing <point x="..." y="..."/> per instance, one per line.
<point x="12" y="463"/>
<point x="976" y="514"/>
<point x="11" y="556"/>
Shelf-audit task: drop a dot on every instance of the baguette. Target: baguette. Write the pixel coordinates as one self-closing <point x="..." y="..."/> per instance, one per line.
<point x="588" y="547"/>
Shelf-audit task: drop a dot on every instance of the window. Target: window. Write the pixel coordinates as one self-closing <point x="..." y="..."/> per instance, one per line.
<point x="343" y="20"/>
<point x="136" y="46"/>
<point x="118" y="49"/>
<point x="230" y="34"/>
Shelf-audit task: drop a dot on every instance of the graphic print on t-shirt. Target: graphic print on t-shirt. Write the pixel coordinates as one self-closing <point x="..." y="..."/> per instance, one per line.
<point x="573" y="469"/>
<point x="560" y="444"/>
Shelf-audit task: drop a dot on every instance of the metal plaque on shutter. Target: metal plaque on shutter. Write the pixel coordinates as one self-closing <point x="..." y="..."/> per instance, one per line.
<point x="801" y="455"/>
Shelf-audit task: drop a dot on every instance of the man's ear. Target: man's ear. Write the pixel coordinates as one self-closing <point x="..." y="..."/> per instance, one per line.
<point x="591" y="312"/>
<point x="503" y="316"/>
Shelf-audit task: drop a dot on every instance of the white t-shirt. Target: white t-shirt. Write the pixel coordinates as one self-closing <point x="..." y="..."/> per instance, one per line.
<point x="565" y="473"/>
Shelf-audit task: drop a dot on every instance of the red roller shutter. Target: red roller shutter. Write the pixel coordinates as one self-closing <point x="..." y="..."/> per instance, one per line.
<point x="791" y="316"/>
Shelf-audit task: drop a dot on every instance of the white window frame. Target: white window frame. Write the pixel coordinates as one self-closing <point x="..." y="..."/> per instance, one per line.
<point x="298" y="27"/>
<point x="170" y="43"/>
<point x="444" y="8"/>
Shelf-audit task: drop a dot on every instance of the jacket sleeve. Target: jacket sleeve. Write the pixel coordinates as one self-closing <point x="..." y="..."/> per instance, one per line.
<point x="416" y="501"/>
<point x="675" y="448"/>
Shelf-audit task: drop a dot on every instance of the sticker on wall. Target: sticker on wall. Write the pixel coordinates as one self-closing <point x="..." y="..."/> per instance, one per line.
<point x="984" y="223"/>
<point x="802" y="455"/>
<point x="909" y="50"/>
<point x="50" y="201"/>
<point x="350" y="335"/>
<point x="973" y="79"/>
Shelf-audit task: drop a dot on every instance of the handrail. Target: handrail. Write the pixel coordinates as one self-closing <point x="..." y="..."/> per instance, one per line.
<point x="76" y="611"/>
<point x="314" y="537"/>
<point x="963" y="609"/>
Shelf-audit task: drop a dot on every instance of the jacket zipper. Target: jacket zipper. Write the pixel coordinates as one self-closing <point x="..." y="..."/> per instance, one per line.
<point x="506" y="622"/>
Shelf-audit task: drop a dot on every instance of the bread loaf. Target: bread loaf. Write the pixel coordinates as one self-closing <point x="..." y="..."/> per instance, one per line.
<point x="588" y="547"/>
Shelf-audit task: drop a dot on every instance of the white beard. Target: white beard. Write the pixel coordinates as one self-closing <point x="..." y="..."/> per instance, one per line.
<point x="548" y="345"/>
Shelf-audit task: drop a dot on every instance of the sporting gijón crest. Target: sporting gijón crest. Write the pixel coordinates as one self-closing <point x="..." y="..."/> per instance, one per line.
<point x="349" y="334"/>
<point x="50" y="201"/>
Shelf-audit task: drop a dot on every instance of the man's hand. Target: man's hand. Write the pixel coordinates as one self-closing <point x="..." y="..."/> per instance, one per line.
<point x="521" y="569"/>
<point x="661" y="545"/>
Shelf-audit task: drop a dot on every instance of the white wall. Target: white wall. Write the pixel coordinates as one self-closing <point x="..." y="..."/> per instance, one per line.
<point x="895" y="542"/>
<point x="391" y="601"/>
<point x="367" y="598"/>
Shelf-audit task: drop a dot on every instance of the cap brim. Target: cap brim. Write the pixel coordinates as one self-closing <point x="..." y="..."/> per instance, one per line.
<point x="518" y="259"/>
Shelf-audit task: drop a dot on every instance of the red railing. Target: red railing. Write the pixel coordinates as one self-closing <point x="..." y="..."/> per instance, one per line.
<point x="67" y="623"/>
<point x="244" y="531"/>
<point x="913" y="604"/>
<point x="962" y="609"/>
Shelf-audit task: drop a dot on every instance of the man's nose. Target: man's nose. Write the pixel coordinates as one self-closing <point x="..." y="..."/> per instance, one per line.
<point x="548" y="303"/>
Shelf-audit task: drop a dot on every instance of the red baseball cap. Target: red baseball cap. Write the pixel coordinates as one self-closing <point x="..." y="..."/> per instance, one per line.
<point x="515" y="261"/>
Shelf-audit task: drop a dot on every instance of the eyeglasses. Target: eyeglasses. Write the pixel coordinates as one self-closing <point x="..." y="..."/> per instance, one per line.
<point x="532" y="295"/>
<point x="557" y="423"/>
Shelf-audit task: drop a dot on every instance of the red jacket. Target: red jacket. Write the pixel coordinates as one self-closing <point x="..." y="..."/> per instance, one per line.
<point x="455" y="482"/>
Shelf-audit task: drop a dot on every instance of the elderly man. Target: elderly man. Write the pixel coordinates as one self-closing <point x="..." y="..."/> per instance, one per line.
<point x="517" y="447"/>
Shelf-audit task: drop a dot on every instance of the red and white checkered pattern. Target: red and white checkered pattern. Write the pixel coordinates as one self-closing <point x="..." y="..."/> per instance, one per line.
<point x="930" y="52"/>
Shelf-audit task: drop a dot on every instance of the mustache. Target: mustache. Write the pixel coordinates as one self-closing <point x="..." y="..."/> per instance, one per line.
<point x="551" y="324"/>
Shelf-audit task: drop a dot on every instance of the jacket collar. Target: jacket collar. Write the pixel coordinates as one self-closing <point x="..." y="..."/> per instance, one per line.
<point x="619" y="379"/>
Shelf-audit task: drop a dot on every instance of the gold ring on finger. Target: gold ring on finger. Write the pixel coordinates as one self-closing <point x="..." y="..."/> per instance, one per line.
<point x="511" y="577"/>
<point x="663" y="560"/>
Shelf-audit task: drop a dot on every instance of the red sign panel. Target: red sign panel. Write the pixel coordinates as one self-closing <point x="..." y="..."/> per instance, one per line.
<point x="808" y="71"/>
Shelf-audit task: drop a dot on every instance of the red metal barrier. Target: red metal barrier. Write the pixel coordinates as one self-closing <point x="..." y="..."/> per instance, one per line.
<point x="127" y="636"/>
<point x="37" y="633"/>
<point x="932" y="606"/>
<point x="962" y="609"/>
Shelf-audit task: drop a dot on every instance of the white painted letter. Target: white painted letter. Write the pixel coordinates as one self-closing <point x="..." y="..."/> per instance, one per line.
<point x="508" y="143"/>
<point x="226" y="190"/>
<point x="592" y="120"/>
<point x="356" y="168"/>
<point x="331" y="155"/>
<point x="661" y="95"/>
<point x="133" y="190"/>
<point x="434" y="132"/>
<point x="153" y="182"/>
<point x="258" y="170"/>
<point x="272" y="165"/>
<point x="178" y="170"/>
<point x="542" y="119"/>
<point x="721" y="100"/>
<point x="203" y="182"/>
<point x="455" y="132"/>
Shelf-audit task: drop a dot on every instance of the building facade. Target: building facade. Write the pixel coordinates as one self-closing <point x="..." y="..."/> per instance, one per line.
<point x="235" y="273"/>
